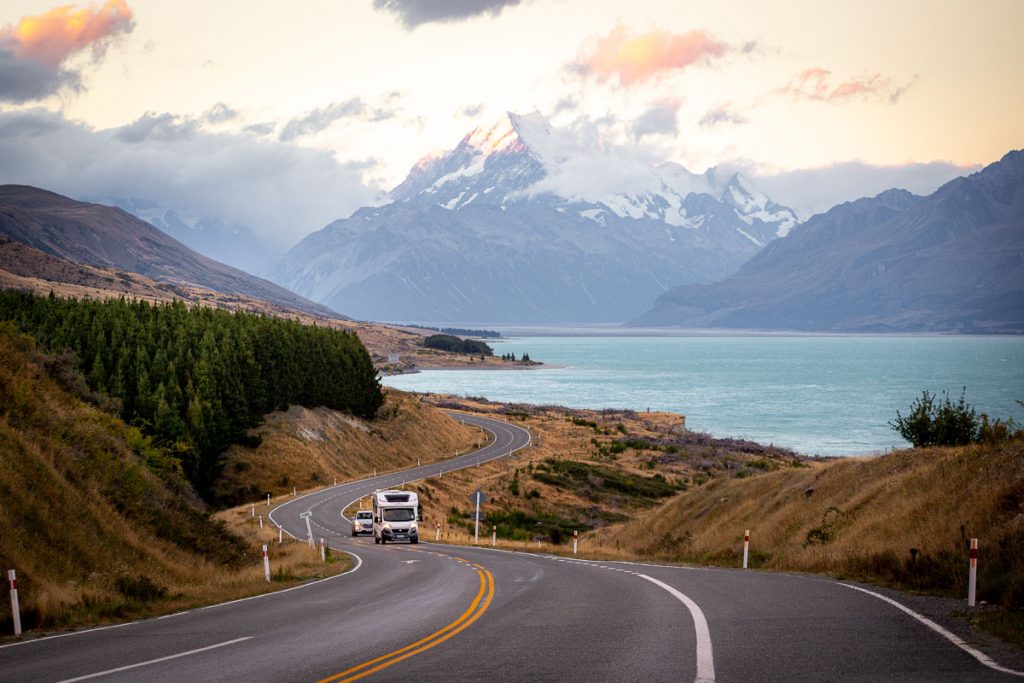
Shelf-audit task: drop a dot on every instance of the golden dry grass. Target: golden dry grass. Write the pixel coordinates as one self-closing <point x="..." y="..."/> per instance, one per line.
<point x="928" y="499"/>
<point x="854" y="517"/>
<point x="93" y="533"/>
<point x="304" y="448"/>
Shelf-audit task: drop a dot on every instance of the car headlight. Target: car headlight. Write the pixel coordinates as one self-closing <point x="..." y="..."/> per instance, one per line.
<point x="387" y="527"/>
<point x="412" y="527"/>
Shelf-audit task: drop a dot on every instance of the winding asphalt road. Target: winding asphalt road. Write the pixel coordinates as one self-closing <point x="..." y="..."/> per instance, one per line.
<point x="442" y="613"/>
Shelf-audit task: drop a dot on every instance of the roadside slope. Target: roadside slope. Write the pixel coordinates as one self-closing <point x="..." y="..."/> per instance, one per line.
<point x="903" y="518"/>
<point x="304" y="448"/>
<point x="93" y="531"/>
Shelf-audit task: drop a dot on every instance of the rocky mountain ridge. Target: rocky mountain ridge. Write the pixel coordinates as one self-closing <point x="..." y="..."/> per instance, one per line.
<point x="520" y="222"/>
<point x="948" y="262"/>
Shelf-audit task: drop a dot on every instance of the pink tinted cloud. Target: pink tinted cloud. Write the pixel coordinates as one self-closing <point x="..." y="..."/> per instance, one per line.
<point x="816" y="84"/>
<point x="53" y="36"/>
<point x="637" y="57"/>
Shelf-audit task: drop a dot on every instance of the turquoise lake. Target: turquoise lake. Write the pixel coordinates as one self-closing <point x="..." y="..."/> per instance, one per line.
<point x="827" y="395"/>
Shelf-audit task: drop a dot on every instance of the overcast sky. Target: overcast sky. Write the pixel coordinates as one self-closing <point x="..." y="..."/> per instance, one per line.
<point x="288" y="115"/>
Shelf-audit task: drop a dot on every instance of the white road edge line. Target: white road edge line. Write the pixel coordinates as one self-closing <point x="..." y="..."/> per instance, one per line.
<point x="154" y="661"/>
<point x="359" y="563"/>
<point x="705" y="657"/>
<point x="951" y="637"/>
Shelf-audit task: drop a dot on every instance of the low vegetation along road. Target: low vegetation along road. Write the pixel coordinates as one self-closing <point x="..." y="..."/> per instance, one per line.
<point x="440" y="612"/>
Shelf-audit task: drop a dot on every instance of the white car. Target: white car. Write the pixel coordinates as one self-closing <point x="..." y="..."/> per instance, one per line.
<point x="362" y="523"/>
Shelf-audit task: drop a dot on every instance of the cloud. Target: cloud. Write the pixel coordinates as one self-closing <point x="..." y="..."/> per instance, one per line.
<point x="471" y="111"/>
<point x="565" y="104"/>
<point x="658" y="120"/>
<point x="33" y="52"/>
<point x="261" y="129"/>
<point x="634" y="58"/>
<point x="722" y="114"/>
<point x="815" y="190"/>
<point x="413" y="13"/>
<point x="220" y="113"/>
<point x="815" y="84"/>
<point x="321" y="119"/>
<point x="280" y="190"/>
<point x="25" y="80"/>
<point x="157" y="127"/>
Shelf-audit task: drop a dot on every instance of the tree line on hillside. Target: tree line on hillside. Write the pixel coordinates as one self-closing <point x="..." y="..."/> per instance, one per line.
<point x="452" y="344"/>
<point x="196" y="379"/>
<point x="460" y="331"/>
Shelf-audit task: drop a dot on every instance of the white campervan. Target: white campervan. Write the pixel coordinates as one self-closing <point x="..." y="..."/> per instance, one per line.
<point x="395" y="514"/>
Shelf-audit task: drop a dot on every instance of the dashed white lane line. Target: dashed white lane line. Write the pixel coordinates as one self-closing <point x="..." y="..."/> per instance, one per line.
<point x="155" y="661"/>
<point x="956" y="640"/>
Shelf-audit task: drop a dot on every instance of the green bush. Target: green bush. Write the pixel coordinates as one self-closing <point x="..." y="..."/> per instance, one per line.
<point x="935" y="422"/>
<point x="932" y="422"/>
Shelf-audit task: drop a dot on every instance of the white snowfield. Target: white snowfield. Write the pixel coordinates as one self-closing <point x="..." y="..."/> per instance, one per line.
<point x="599" y="175"/>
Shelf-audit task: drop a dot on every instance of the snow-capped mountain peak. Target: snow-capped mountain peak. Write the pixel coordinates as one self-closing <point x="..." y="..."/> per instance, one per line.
<point x="521" y="157"/>
<point x="513" y="132"/>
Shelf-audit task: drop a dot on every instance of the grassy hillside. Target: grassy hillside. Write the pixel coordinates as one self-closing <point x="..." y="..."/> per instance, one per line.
<point x="195" y="379"/>
<point x="100" y="524"/>
<point x="304" y="448"/>
<point x="585" y="470"/>
<point x="904" y="518"/>
<point x="639" y="486"/>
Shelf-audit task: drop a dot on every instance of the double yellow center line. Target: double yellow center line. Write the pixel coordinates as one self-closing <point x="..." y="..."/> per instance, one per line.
<point x="479" y="605"/>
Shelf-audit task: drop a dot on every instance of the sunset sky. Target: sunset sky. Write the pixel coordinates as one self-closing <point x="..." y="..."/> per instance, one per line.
<point x="286" y="115"/>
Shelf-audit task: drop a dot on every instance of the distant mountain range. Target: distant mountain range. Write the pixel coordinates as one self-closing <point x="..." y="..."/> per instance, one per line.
<point x="108" y="237"/>
<point x="222" y="240"/>
<point x="949" y="262"/>
<point x="521" y="223"/>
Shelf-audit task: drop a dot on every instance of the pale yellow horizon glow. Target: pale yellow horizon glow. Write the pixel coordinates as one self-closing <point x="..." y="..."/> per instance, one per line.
<point x="958" y="65"/>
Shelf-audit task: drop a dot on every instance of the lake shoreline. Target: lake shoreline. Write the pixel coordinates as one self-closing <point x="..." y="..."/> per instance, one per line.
<point x="825" y="395"/>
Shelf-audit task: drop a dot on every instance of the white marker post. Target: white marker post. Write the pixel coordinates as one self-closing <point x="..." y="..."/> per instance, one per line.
<point x="323" y="550"/>
<point x="437" y="533"/>
<point x="293" y="490"/>
<point x="972" y="582"/>
<point x="266" y="564"/>
<point x="268" y="500"/>
<point x="252" y="511"/>
<point x="261" y="521"/>
<point x="575" y="540"/>
<point x="309" y="529"/>
<point x="280" y="535"/>
<point x="476" y="529"/>
<point x="494" y="536"/>
<point x="746" y="547"/>
<point x="15" y="608"/>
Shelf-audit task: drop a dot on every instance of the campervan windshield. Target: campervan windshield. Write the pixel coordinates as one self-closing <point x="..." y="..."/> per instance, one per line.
<point x="399" y="514"/>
